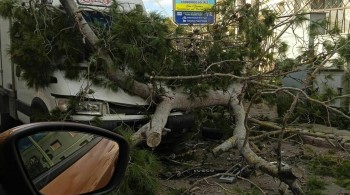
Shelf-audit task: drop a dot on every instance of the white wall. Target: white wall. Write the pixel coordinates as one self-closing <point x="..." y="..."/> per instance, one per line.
<point x="296" y="36"/>
<point x="126" y="4"/>
<point x="330" y="79"/>
<point x="6" y="67"/>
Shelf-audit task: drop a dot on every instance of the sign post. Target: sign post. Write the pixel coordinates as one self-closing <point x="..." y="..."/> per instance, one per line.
<point x="193" y="12"/>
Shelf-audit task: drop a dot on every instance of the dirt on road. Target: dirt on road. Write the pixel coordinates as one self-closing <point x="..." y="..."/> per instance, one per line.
<point x="191" y="168"/>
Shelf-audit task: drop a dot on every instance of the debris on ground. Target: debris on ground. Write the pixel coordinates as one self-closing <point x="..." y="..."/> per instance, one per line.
<point x="191" y="168"/>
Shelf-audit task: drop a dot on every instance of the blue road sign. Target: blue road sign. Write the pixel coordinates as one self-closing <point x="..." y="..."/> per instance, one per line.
<point x="194" y="17"/>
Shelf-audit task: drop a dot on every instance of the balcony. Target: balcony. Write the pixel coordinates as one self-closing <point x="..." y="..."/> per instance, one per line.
<point x="336" y="12"/>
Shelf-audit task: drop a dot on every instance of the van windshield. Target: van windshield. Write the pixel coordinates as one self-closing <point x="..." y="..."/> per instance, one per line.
<point x="97" y="18"/>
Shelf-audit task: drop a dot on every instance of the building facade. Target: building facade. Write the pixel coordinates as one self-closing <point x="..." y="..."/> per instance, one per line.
<point x="320" y="19"/>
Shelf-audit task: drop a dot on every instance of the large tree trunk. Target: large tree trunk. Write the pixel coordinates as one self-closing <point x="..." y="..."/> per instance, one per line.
<point x="285" y="173"/>
<point x="115" y="75"/>
<point x="152" y="131"/>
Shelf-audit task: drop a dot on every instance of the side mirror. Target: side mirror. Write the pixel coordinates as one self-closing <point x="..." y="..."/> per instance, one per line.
<point x="61" y="158"/>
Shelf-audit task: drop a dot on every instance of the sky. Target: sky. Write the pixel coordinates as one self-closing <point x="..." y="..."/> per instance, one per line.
<point x="164" y="7"/>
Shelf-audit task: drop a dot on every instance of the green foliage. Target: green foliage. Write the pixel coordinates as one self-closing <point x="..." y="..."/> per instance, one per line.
<point x="346" y="84"/>
<point x="329" y="92"/>
<point x="57" y="115"/>
<point x="338" y="63"/>
<point x="344" y="183"/>
<point x="318" y="27"/>
<point x="332" y="166"/>
<point x="146" y="44"/>
<point x="327" y="165"/>
<point x="311" y="112"/>
<point x="328" y="46"/>
<point x="282" y="48"/>
<point x="139" y="41"/>
<point x="286" y="64"/>
<point x="300" y="19"/>
<point x="215" y="117"/>
<point x="254" y="30"/>
<point x="283" y="104"/>
<point x="335" y="30"/>
<point x="253" y="191"/>
<point x="322" y="165"/>
<point x="46" y="34"/>
<point x="7" y="7"/>
<point x="177" y="191"/>
<point x="343" y="170"/>
<point x="344" y="48"/>
<point x="314" y="186"/>
<point x="141" y="176"/>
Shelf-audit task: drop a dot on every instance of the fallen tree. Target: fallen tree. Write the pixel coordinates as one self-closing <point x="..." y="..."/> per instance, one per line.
<point x="219" y="65"/>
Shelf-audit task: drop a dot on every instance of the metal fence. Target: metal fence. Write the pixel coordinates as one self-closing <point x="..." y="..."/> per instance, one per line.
<point x="337" y="12"/>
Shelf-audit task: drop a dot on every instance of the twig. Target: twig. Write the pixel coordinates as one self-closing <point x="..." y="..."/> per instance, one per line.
<point x="168" y="186"/>
<point x="182" y="163"/>
<point x="223" y="188"/>
<point x="329" y="141"/>
<point x="343" y="148"/>
<point x="274" y="133"/>
<point x="217" y="175"/>
<point x="197" y="77"/>
<point x="254" y="146"/>
<point x="198" y="181"/>
<point x="242" y="178"/>
<point x="283" y="129"/>
<point x="246" y="118"/>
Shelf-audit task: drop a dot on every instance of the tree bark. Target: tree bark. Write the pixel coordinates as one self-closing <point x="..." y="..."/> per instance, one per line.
<point x="114" y="74"/>
<point x="152" y="130"/>
<point x="158" y="122"/>
<point x="286" y="175"/>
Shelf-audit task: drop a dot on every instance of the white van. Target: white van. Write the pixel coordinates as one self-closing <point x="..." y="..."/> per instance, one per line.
<point x="18" y="102"/>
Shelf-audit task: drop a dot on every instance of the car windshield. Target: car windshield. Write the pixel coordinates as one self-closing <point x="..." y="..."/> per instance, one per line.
<point x="97" y="18"/>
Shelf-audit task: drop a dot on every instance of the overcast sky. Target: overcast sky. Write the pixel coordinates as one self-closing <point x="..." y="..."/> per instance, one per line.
<point x="164" y="7"/>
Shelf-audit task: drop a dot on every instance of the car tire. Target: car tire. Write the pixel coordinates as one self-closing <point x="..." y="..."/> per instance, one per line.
<point x="39" y="111"/>
<point x="6" y="122"/>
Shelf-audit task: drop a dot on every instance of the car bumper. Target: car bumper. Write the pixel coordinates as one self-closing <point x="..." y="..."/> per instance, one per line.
<point x="176" y="121"/>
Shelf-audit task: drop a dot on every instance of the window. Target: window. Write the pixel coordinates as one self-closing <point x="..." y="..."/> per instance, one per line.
<point x="297" y="5"/>
<point x="318" y="4"/>
<point x="340" y="91"/>
<point x="55" y="145"/>
<point x="325" y="4"/>
<point x="42" y="151"/>
<point x="334" y="3"/>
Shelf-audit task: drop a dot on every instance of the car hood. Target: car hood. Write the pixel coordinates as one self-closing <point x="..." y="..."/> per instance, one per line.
<point x="67" y="87"/>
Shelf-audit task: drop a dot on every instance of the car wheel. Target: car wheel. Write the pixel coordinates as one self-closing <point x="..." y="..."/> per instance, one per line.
<point x="39" y="111"/>
<point x="6" y="122"/>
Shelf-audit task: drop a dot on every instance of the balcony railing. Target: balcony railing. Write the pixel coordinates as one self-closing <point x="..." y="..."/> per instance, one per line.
<point x="337" y="12"/>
